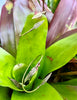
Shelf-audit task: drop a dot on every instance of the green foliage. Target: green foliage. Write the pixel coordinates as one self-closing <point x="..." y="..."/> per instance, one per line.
<point x="18" y="71"/>
<point x="29" y="51"/>
<point x="45" y="92"/>
<point x="4" y="93"/>
<point x="33" y="43"/>
<point x="52" y="4"/>
<point x="30" y="46"/>
<point x="61" y="52"/>
<point x="68" y="92"/>
<point x="72" y="82"/>
<point x="75" y="57"/>
<point x="7" y="62"/>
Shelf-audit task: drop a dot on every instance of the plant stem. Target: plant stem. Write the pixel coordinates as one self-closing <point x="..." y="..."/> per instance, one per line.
<point x="43" y="5"/>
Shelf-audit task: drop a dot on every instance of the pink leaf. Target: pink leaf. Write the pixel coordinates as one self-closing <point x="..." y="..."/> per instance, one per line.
<point x="21" y="11"/>
<point x="66" y="34"/>
<point x="38" y="7"/>
<point x="7" y="28"/>
<point x="65" y="15"/>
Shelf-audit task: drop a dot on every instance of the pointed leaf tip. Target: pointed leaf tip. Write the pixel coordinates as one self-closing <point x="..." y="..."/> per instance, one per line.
<point x="36" y="25"/>
<point x="7" y="29"/>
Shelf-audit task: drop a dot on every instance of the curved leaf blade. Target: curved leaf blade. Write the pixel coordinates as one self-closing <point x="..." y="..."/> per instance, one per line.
<point x="66" y="34"/>
<point x="46" y="92"/>
<point x="7" y="63"/>
<point x="33" y="43"/>
<point x="62" y="20"/>
<point x="67" y="92"/>
<point x="61" y="53"/>
<point x="20" y="11"/>
<point x="72" y="82"/>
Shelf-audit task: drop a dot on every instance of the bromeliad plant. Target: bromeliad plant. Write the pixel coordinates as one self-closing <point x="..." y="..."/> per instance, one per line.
<point x="27" y="57"/>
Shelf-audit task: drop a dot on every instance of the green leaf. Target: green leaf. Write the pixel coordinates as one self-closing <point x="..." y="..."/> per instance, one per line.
<point x="7" y="62"/>
<point x="4" y="93"/>
<point x="45" y="92"/>
<point x="75" y="57"/>
<point x="61" y="52"/>
<point x="67" y="91"/>
<point x="33" y="43"/>
<point x="37" y="84"/>
<point x="53" y="4"/>
<point x="20" y="11"/>
<point x="18" y="71"/>
<point x="72" y="82"/>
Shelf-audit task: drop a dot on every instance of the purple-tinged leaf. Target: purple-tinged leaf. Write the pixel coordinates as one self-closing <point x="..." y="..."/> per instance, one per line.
<point x="15" y="83"/>
<point x="64" y="16"/>
<point x="49" y="14"/>
<point x="38" y="8"/>
<point x="7" y="28"/>
<point x="39" y="84"/>
<point x="33" y="71"/>
<point x="31" y="5"/>
<point x="35" y="6"/>
<point x="66" y="34"/>
<point x="21" y="11"/>
<point x="41" y="3"/>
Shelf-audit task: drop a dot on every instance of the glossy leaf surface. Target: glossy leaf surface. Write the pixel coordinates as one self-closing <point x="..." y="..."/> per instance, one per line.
<point x="32" y="44"/>
<point x="61" y="53"/>
<point x="64" y="18"/>
<point x="46" y="92"/>
<point x="7" y="63"/>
